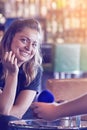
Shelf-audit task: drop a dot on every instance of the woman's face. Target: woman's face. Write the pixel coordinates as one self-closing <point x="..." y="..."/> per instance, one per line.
<point x="25" y="45"/>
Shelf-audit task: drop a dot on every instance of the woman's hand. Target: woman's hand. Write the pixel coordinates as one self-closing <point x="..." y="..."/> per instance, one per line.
<point x="10" y="63"/>
<point x="47" y="111"/>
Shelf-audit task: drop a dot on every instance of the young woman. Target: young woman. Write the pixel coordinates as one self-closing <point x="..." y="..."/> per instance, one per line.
<point x="20" y="68"/>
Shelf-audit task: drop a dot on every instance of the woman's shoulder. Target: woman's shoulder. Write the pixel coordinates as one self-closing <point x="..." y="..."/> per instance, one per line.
<point x="40" y="70"/>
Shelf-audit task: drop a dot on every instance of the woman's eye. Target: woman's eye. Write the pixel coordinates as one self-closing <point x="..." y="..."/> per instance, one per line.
<point x="29" y="41"/>
<point x="34" y="44"/>
<point x="24" y="40"/>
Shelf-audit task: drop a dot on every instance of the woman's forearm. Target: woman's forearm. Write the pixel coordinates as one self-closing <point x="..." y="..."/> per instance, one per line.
<point x="75" y="107"/>
<point x="8" y="95"/>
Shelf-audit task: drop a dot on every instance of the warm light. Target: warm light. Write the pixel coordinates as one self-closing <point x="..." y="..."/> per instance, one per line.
<point x="1" y="15"/>
<point x="54" y="6"/>
<point x="19" y="0"/>
<point x="43" y="10"/>
<point x="72" y="4"/>
<point x="2" y="18"/>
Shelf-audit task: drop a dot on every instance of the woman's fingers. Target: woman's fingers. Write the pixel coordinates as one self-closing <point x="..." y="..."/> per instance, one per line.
<point x="9" y="56"/>
<point x="12" y="59"/>
<point x="15" y="61"/>
<point x="5" y="56"/>
<point x="10" y="62"/>
<point x="36" y="110"/>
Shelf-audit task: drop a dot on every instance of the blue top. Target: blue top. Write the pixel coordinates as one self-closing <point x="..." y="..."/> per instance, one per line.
<point x="34" y="85"/>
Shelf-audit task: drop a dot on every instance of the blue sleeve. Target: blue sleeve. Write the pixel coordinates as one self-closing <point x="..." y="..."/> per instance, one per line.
<point x="36" y="83"/>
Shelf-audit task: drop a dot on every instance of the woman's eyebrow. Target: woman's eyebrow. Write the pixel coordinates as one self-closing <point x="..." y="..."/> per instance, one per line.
<point x="28" y="38"/>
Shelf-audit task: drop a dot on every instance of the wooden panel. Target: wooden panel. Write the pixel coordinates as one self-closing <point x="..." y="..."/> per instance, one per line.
<point x="67" y="89"/>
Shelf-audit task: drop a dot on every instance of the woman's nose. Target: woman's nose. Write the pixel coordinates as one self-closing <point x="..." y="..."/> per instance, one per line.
<point x="29" y="46"/>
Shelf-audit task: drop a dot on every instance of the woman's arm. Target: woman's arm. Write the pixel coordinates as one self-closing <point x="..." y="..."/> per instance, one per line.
<point x="74" y="107"/>
<point x="22" y="103"/>
<point x="26" y="96"/>
<point x="52" y="111"/>
<point x="7" y="96"/>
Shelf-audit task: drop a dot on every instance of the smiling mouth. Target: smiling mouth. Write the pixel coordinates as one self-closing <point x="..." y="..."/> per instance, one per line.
<point x="24" y="54"/>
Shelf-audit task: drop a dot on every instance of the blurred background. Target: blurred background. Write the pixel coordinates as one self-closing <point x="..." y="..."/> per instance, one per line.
<point x="64" y="25"/>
